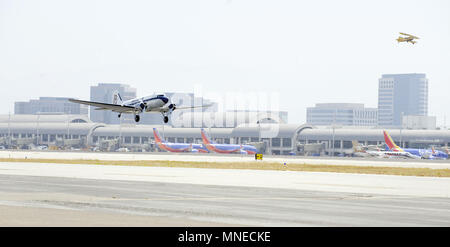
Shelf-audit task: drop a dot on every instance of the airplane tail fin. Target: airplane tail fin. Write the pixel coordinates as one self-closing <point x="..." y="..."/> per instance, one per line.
<point x="158" y="138"/>
<point x="356" y="146"/>
<point x="117" y="100"/>
<point x="205" y="137"/>
<point x="390" y="143"/>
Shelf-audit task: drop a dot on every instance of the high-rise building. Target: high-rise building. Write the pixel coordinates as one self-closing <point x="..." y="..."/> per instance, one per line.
<point x="401" y="95"/>
<point x="104" y="92"/>
<point x="349" y="114"/>
<point x="49" y="105"/>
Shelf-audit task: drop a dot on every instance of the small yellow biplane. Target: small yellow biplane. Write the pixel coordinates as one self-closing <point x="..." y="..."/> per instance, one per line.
<point x="407" y="38"/>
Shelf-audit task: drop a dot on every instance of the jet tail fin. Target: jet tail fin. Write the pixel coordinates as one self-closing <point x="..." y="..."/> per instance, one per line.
<point x="117" y="100"/>
<point x="356" y="146"/>
<point x="205" y="137"/>
<point x="158" y="138"/>
<point x="390" y="143"/>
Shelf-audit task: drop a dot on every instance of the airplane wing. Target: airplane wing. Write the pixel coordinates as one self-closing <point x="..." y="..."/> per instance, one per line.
<point x="190" y="107"/>
<point x="105" y="106"/>
<point x="412" y="36"/>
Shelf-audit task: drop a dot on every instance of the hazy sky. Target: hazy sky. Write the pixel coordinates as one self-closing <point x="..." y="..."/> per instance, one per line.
<point x="307" y="51"/>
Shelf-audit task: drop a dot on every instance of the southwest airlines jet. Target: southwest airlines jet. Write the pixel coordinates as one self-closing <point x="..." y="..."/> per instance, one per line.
<point x="226" y="148"/>
<point x="359" y="151"/>
<point x="416" y="153"/>
<point x="178" y="147"/>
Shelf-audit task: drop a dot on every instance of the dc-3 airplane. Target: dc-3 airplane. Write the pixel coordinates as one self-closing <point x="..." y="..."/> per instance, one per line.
<point x="407" y="38"/>
<point x="154" y="103"/>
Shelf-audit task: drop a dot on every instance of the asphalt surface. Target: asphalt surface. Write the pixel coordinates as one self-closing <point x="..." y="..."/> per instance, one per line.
<point x="174" y="204"/>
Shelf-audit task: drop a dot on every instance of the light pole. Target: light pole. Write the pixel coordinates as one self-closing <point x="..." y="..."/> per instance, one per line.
<point x="401" y="128"/>
<point x="9" y="130"/>
<point x="334" y="122"/>
<point x="37" y="130"/>
<point x="68" y="127"/>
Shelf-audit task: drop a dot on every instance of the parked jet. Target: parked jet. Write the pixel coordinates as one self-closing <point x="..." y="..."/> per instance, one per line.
<point x="359" y="150"/>
<point x="418" y="153"/>
<point x="155" y="103"/>
<point x="226" y="148"/>
<point x="178" y="147"/>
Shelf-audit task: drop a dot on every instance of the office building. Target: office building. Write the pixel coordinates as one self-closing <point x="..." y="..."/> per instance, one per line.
<point x="104" y="92"/>
<point x="348" y="114"/>
<point x="401" y="95"/>
<point x="419" y="122"/>
<point x="49" y="105"/>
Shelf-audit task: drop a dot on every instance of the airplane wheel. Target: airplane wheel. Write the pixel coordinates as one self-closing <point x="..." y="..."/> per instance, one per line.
<point x="119" y="115"/>
<point x="137" y="118"/>
<point x="166" y="119"/>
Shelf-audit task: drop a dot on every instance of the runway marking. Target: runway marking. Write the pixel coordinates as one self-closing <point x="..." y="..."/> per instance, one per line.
<point x="144" y="175"/>
<point x="347" y="185"/>
<point x="255" y="198"/>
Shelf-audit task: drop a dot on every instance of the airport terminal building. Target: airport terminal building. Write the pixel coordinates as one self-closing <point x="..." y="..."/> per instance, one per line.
<point x="78" y="132"/>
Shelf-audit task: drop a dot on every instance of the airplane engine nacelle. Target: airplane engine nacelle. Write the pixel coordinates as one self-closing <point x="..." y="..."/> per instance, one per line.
<point x="169" y="107"/>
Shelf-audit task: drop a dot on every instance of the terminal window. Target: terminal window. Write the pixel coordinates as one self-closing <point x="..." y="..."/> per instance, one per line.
<point x="144" y="139"/>
<point x="276" y="142"/>
<point x="287" y="142"/>
<point x="127" y="139"/>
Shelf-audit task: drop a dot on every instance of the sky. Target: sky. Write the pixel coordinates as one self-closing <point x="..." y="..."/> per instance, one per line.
<point x="304" y="52"/>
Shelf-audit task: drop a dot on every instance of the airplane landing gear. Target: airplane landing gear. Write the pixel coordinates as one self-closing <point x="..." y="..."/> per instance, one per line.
<point x="120" y="114"/>
<point x="166" y="119"/>
<point x="137" y="118"/>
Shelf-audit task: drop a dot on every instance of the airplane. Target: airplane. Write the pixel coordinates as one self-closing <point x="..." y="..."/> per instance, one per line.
<point x="178" y="147"/>
<point x="226" y="148"/>
<point x="409" y="38"/>
<point x="445" y="149"/>
<point x="417" y="153"/>
<point x="154" y="103"/>
<point x="358" y="150"/>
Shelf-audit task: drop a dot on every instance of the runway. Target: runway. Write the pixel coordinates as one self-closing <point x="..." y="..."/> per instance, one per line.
<point x="93" y="195"/>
